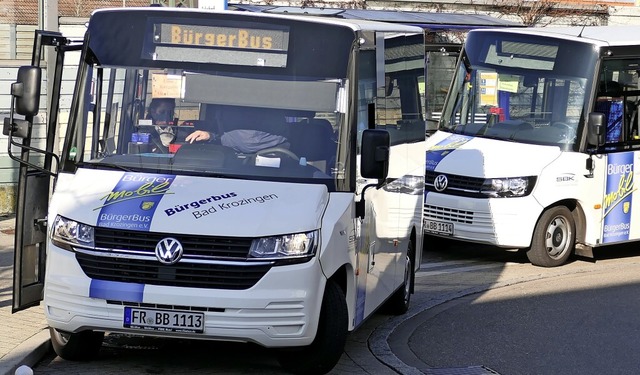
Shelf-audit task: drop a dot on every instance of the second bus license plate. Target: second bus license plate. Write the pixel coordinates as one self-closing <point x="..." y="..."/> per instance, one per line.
<point x="438" y="227"/>
<point x="163" y="320"/>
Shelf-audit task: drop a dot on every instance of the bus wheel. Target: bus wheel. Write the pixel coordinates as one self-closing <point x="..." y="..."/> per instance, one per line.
<point x="326" y="349"/>
<point x="81" y="346"/>
<point x="398" y="303"/>
<point x="553" y="238"/>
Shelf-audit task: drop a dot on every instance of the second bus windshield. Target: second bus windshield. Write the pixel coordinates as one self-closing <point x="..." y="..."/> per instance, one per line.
<point x="526" y="90"/>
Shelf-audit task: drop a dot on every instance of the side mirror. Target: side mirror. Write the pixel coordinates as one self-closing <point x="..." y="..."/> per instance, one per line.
<point x="596" y="125"/>
<point x="374" y="160"/>
<point x="19" y="128"/>
<point x="26" y="90"/>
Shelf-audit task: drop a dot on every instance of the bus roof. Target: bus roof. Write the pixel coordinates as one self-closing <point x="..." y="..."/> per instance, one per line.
<point x="601" y="36"/>
<point x="354" y="24"/>
<point x="425" y="20"/>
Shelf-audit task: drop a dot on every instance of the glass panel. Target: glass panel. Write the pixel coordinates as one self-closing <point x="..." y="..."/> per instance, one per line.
<point x="531" y="91"/>
<point x="618" y="96"/>
<point x="214" y="123"/>
<point x="440" y="69"/>
<point x="400" y="102"/>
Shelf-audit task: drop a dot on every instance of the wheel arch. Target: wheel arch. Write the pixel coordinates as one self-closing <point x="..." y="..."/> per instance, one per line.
<point x="344" y="277"/>
<point x="577" y="213"/>
<point x="554" y="241"/>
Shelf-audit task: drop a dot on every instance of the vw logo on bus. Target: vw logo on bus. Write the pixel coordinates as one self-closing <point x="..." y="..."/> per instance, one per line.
<point x="440" y="183"/>
<point x="169" y="251"/>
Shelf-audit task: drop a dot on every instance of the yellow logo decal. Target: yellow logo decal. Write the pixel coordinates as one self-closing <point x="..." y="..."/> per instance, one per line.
<point x="147" y="205"/>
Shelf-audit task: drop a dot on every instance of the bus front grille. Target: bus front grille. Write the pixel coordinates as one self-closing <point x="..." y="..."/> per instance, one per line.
<point x="194" y="246"/>
<point x="448" y="214"/>
<point x="207" y="261"/>
<point x="181" y="274"/>
<point x="456" y="185"/>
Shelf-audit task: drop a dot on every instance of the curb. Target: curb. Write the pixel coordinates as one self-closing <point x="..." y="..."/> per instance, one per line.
<point x="29" y="353"/>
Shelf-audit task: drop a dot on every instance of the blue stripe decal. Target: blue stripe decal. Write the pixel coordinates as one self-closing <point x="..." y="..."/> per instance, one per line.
<point x="617" y="200"/>
<point x="437" y="152"/>
<point x="116" y="291"/>
<point x="133" y="201"/>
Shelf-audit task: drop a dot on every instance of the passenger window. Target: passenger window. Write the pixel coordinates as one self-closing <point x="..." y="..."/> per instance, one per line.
<point x="618" y="98"/>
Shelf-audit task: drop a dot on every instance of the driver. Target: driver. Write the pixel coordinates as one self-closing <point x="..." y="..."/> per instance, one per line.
<point x="247" y="129"/>
<point x="161" y="112"/>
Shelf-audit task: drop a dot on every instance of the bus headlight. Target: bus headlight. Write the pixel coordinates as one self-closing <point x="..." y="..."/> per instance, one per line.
<point x="287" y="246"/>
<point x="508" y="187"/>
<point x="409" y="184"/>
<point x="66" y="233"/>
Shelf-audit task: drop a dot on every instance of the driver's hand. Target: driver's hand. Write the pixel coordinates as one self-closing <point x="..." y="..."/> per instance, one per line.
<point x="198" y="135"/>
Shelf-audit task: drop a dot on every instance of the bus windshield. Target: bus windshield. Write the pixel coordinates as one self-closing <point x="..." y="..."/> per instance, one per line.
<point x="520" y="88"/>
<point x="206" y="99"/>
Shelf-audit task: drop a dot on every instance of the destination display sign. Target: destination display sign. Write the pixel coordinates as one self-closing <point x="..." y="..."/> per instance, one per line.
<point x="243" y="38"/>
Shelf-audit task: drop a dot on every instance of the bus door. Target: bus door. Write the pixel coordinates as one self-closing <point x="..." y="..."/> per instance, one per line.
<point x="390" y="78"/>
<point x="441" y="62"/>
<point x="618" y="97"/>
<point x="37" y="167"/>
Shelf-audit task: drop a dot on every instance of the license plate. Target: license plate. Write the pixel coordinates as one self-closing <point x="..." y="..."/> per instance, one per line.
<point x="438" y="227"/>
<point x="163" y="320"/>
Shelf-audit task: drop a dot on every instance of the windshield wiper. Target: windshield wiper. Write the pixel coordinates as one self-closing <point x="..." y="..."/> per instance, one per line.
<point x="510" y="139"/>
<point x="106" y="165"/>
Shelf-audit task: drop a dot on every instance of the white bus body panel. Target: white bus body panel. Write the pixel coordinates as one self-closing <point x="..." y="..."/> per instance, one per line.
<point x="281" y="309"/>
<point x="606" y="197"/>
<point x="506" y="222"/>
<point x="481" y="157"/>
<point x="618" y="219"/>
<point x="227" y="204"/>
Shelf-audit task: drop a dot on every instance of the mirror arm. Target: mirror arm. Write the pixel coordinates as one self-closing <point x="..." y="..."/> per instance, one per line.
<point x="590" y="165"/>
<point x="361" y="203"/>
<point x="52" y="173"/>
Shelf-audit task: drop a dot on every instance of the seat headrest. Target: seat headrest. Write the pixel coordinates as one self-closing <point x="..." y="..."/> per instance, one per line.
<point x="313" y="139"/>
<point x="266" y="119"/>
<point x="610" y="88"/>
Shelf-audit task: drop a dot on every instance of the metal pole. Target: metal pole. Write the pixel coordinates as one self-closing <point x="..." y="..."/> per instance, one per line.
<point x="50" y="55"/>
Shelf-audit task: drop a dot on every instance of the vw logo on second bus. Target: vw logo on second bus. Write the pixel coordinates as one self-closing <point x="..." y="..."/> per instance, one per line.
<point x="440" y="183"/>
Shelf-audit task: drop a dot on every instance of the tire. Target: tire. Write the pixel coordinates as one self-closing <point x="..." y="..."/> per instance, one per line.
<point x="398" y="303"/>
<point x="553" y="239"/>
<point x="327" y="348"/>
<point x="81" y="346"/>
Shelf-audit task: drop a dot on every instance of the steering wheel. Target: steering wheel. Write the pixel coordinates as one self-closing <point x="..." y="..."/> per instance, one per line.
<point x="568" y="135"/>
<point x="278" y="150"/>
<point x="160" y="148"/>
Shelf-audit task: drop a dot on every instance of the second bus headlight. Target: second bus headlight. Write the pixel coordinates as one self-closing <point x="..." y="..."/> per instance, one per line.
<point x="408" y="184"/>
<point x="287" y="246"/>
<point x="508" y="187"/>
<point x="66" y="233"/>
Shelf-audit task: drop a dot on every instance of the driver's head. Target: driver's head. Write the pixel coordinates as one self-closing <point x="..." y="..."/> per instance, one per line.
<point x="161" y="110"/>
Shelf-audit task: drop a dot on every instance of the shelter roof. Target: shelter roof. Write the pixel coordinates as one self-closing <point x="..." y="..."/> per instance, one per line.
<point x="426" y="20"/>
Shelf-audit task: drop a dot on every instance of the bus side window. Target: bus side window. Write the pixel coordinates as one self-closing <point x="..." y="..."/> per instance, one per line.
<point x="614" y="111"/>
<point x="619" y="98"/>
<point x="611" y="102"/>
<point x="632" y="103"/>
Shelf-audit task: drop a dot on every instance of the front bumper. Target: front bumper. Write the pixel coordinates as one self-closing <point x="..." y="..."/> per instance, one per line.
<point x="281" y="310"/>
<point x="503" y="222"/>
